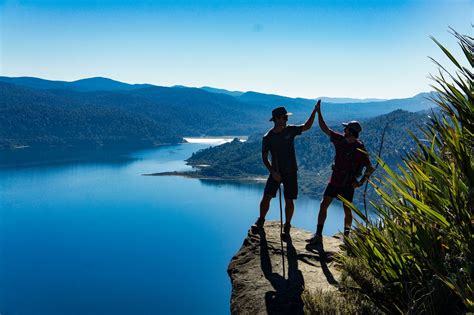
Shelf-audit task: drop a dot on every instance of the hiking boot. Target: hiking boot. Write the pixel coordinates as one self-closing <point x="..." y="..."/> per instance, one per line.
<point x="315" y="239"/>
<point x="286" y="230"/>
<point x="258" y="225"/>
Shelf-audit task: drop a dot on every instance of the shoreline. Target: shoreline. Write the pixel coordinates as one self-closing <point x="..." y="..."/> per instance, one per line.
<point x="197" y="175"/>
<point x="211" y="140"/>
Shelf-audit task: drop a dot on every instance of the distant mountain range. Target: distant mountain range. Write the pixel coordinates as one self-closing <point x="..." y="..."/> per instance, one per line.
<point x="102" y="111"/>
<point x="84" y="85"/>
<point x="335" y="100"/>
<point x="106" y="84"/>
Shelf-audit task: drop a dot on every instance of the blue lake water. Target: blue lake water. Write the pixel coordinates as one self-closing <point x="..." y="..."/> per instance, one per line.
<point x="83" y="232"/>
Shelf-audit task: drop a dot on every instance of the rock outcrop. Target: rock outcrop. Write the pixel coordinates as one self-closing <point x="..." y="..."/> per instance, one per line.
<point x="268" y="275"/>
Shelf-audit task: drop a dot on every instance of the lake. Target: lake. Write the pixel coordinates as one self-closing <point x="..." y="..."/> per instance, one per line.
<point x="83" y="232"/>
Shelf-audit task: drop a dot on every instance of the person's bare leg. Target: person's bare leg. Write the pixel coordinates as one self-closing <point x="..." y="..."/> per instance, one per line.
<point x="323" y="209"/>
<point x="289" y="210"/>
<point x="265" y="205"/>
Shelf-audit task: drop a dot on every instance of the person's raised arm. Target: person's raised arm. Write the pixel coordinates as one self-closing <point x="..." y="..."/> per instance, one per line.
<point x="322" y="123"/>
<point x="309" y="123"/>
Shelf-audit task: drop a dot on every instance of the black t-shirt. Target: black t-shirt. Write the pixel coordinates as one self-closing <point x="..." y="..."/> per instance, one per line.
<point x="282" y="148"/>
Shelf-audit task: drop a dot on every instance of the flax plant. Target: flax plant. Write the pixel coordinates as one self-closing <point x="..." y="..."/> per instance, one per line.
<point x="417" y="255"/>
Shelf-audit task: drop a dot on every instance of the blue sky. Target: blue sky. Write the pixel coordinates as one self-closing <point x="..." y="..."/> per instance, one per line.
<point x="297" y="48"/>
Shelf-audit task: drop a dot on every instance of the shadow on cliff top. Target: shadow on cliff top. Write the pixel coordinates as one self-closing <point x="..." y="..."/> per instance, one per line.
<point x="286" y="297"/>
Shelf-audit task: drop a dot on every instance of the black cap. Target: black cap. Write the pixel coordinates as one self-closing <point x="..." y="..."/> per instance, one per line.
<point x="354" y="125"/>
<point x="279" y="111"/>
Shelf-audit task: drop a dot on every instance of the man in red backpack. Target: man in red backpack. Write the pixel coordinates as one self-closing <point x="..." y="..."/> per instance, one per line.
<point x="351" y="158"/>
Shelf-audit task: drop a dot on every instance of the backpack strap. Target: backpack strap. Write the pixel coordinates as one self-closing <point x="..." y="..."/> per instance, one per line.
<point x="355" y="171"/>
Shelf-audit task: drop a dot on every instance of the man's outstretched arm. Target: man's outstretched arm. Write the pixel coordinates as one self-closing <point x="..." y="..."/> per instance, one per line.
<point x="309" y="123"/>
<point x="322" y="123"/>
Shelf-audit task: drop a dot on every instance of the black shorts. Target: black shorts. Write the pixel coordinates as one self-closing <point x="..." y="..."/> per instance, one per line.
<point x="346" y="192"/>
<point x="290" y="185"/>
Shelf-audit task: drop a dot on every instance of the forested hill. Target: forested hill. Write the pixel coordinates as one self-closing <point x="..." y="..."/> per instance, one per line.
<point x="147" y="116"/>
<point x="101" y="111"/>
<point x="37" y="118"/>
<point x="315" y="153"/>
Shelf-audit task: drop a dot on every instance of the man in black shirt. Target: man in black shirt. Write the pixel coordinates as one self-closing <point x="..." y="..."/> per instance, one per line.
<point x="279" y="141"/>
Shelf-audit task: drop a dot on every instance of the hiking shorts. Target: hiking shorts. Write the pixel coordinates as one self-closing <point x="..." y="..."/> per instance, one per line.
<point x="290" y="186"/>
<point x="333" y="191"/>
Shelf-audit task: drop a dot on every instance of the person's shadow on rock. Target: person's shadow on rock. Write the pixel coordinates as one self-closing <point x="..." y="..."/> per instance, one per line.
<point x="323" y="259"/>
<point x="286" y="296"/>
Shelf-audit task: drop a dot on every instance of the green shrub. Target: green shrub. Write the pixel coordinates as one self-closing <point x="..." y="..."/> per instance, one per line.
<point x="417" y="256"/>
<point x="337" y="303"/>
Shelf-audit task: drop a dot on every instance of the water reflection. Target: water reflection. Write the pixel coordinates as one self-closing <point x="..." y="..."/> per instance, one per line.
<point x="240" y="184"/>
<point x="62" y="156"/>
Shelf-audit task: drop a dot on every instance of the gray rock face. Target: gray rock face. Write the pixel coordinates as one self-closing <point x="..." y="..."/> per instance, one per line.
<point x="268" y="275"/>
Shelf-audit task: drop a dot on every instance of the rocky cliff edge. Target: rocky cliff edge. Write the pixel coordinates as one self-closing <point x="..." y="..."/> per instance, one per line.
<point x="268" y="275"/>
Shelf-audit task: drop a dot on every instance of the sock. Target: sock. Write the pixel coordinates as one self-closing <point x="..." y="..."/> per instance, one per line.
<point x="319" y="229"/>
<point x="347" y="231"/>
